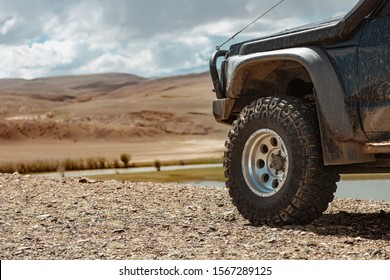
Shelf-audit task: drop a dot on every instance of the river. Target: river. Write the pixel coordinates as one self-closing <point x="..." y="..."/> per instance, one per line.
<point x="357" y="189"/>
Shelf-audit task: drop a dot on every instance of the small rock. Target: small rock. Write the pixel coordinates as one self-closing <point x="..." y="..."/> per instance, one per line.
<point x="229" y="216"/>
<point x="85" y="180"/>
<point x="348" y="241"/>
<point x="225" y="234"/>
<point x="119" y="230"/>
<point x="23" y="248"/>
<point x="44" y="217"/>
<point x="212" y="228"/>
<point x="273" y="240"/>
<point x="376" y="252"/>
<point x="312" y="243"/>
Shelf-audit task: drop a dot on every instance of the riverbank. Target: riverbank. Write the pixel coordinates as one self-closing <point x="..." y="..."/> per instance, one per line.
<point x="199" y="172"/>
<point x="45" y="218"/>
<point x="359" y="186"/>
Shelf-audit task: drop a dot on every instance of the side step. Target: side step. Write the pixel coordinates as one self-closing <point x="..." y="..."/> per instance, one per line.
<point x="377" y="148"/>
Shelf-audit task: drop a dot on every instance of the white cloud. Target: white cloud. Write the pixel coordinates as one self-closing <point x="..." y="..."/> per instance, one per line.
<point x="7" y="25"/>
<point x="28" y="61"/>
<point x="141" y="62"/>
<point x="219" y="28"/>
<point x="143" y="37"/>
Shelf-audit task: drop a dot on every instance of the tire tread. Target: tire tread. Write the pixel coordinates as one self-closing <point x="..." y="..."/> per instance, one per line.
<point x="317" y="183"/>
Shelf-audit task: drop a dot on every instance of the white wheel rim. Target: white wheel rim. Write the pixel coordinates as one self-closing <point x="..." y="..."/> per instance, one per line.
<point x="265" y="162"/>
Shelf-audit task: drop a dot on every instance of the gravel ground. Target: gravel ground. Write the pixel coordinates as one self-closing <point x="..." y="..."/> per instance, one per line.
<point x="43" y="218"/>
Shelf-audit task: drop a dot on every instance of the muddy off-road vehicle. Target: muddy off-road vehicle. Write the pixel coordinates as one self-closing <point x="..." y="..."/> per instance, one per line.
<point x="305" y="105"/>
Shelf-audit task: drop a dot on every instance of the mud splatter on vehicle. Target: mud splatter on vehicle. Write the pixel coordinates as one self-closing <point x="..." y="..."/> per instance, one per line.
<point x="305" y="105"/>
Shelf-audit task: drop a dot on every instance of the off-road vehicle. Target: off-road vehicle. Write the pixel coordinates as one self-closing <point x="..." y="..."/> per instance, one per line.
<point x="305" y="105"/>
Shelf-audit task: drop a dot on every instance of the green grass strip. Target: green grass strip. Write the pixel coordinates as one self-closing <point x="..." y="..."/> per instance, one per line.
<point x="180" y="176"/>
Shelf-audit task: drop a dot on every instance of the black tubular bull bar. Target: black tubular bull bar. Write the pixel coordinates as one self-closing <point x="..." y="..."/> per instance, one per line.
<point x="217" y="80"/>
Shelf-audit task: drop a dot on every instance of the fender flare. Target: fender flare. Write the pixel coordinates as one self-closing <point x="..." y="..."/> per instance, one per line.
<point x="329" y="92"/>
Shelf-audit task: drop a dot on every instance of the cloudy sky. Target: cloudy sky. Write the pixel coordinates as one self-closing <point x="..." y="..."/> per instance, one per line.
<point x="148" y="38"/>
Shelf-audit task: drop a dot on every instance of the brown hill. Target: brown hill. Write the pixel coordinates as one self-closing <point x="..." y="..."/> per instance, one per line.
<point x="67" y="88"/>
<point x="109" y="108"/>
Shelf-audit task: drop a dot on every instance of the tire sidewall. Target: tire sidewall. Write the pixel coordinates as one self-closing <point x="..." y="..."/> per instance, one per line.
<point x="282" y="198"/>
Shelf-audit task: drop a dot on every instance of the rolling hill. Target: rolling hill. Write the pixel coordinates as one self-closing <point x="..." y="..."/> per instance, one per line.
<point x="106" y="110"/>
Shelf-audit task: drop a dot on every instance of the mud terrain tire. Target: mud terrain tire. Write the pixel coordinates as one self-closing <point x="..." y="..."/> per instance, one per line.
<point x="274" y="167"/>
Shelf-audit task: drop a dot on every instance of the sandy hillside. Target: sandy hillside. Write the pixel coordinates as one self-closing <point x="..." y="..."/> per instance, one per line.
<point x="108" y="114"/>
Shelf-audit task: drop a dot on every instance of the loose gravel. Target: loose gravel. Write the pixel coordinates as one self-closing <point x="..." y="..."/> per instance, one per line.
<point x="44" y="218"/>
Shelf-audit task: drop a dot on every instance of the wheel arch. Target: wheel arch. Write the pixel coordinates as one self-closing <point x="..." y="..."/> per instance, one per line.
<point x="287" y="72"/>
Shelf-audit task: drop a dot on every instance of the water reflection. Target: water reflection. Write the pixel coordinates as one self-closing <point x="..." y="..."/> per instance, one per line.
<point x="364" y="189"/>
<point x="357" y="189"/>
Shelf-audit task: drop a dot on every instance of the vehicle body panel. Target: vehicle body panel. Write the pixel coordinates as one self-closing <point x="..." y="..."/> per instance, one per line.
<point x="341" y="64"/>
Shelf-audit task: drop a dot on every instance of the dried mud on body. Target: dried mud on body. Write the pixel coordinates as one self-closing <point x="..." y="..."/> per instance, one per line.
<point x="43" y="218"/>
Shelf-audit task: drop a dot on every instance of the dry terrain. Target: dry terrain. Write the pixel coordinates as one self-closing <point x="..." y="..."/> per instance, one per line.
<point x="109" y="114"/>
<point x="106" y="115"/>
<point x="42" y="218"/>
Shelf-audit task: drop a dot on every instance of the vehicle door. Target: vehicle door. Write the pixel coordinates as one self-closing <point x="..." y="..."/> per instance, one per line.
<point x="374" y="76"/>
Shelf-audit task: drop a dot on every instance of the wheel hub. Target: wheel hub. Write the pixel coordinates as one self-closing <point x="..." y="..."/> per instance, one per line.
<point x="265" y="162"/>
<point x="277" y="163"/>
